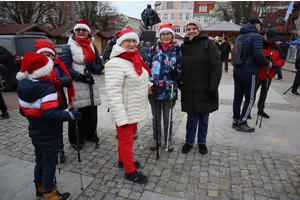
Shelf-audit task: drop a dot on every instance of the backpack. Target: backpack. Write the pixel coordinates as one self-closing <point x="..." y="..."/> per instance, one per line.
<point x="236" y="53"/>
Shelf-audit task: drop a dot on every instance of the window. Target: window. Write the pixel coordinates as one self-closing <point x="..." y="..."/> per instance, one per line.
<point x="213" y="19"/>
<point x="184" y="4"/>
<point x="169" y="5"/>
<point x="180" y="16"/>
<point x="187" y="17"/>
<point x="166" y="17"/>
<point x="202" y="8"/>
<point x="268" y="10"/>
<point x="199" y="19"/>
<point x="205" y="19"/>
<point x="172" y="17"/>
<point x="184" y="29"/>
<point x="157" y="28"/>
<point x="176" y="29"/>
<point x="158" y="7"/>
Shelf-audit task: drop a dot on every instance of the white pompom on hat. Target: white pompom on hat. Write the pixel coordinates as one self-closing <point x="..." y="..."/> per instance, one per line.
<point x="127" y="33"/>
<point x="82" y="24"/>
<point x="44" y="45"/>
<point x="34" y="65"/>
<point x="167" y="27"/>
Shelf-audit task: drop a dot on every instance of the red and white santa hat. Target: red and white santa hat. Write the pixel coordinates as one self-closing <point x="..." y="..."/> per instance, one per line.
<point x="127" y="33"/>
<point x="44" y="45"/>
<point x="167" y="27"/>
<point x="82" y="24"/>
<point x="34" y="65"/>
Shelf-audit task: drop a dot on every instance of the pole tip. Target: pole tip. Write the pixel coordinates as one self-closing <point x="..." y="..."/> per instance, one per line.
<point x="166" y="150"/>
<point x="141" y="147"/>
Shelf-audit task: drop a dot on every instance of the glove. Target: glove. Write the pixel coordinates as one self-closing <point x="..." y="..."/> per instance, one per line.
<point x="75" y="115"/>
<point x="87" y="79"/>
<point x="57" y="83"/>
<point x="212" y="94"/>
<point x="173" y="74"/>
<point x="268" y="57"/>
<point x="156" y="88"/>
<point x="275" y="66"/>
<point x="91" y="67"/>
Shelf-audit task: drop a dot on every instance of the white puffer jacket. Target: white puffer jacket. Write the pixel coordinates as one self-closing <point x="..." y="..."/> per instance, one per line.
<point x="127" y="92"/>
<point x="82" y="91"/>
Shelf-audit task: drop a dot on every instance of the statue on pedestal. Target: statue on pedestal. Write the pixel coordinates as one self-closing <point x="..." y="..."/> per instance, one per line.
<point x="150" y="17"/>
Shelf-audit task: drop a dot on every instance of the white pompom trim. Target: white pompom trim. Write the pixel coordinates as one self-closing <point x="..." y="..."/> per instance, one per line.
<point x="47" y="50"/>
<point x="82" y="26"/>
<point x="167" y="29"/>
<point x="126" y="36"/>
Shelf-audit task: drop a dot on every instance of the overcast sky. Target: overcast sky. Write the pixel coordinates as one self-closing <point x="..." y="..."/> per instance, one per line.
<point x="132" y="8"/>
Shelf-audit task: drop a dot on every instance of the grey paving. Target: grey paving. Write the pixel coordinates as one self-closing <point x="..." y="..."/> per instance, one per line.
<point x="260" y="165"/>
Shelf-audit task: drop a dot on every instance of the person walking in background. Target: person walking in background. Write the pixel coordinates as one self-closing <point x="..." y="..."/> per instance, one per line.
<point x="60" y="78"/>
<point x="245" y="75"/>
<point x="264" y="78"/>
<point x="83" y="63"/>
<point x="284" y="49"/>
<point x="201" y="75"/>
<point x="3" y="107"/>
<point x="225" y="48"/>
<point x="165" y="65"/>
<point x="38" y="102"/>
<point x="296" y="82"/>
<point x="147" y="47"/>
<point x="127" y="85"/>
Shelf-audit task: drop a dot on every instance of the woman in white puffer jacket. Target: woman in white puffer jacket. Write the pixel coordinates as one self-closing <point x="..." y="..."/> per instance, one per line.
<point x="126" y="82"/>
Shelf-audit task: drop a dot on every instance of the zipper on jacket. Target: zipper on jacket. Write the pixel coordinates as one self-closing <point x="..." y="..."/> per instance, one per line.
<point x="191" y="62"/>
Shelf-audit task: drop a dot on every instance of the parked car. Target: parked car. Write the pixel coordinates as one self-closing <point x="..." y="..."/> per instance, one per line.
<point x="12" y="50"/>
<point x="59" y="48"/>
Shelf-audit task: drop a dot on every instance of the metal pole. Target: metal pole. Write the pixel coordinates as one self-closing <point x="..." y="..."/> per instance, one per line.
<point x="287" y="28"/>
<point x="78" y="153"/>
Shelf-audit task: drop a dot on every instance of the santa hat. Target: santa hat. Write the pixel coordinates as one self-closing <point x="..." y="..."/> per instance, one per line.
<point x="82" y="24"/>
<point x="34" y="65"/>
<point x="44" y="45"/>
<point x="127" y="33"/>
<point x="167" y="27"/>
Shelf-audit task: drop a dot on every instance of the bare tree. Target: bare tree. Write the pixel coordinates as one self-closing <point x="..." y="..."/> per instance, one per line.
<point x="62" y="15"/>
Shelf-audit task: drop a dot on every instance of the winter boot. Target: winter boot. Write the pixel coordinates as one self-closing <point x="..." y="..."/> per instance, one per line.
<point x="137" y="177"/>
<point x="62" y="156"/>
<point x="55" y="195"/>
<point x="203" y="149"/>
<point x="39" y="191"/>
<point x="235" y="123"/>
<point x="243" y="126"/>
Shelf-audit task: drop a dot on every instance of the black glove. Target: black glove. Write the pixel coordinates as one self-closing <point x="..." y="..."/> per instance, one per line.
<point x="275" y="66"/>
<point x="173" y="74"/>
<point x="156" y="88"/>
<point x="87" y="79"/>
<point x="212" y="94"/>
<point x="268" y="57"/>
<point x="91" y="67"/>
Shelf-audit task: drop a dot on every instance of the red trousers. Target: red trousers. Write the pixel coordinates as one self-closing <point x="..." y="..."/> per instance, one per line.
<point x="125" y="136"/>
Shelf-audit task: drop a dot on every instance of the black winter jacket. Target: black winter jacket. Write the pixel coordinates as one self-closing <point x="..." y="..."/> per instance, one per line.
<point x="225" y="48"/>
<point x="201" y="74"/>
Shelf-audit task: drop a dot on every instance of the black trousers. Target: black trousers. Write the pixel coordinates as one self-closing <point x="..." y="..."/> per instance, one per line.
<point x="86" y="130"/>
<point x="225" y="59"/>
<point x="3" y="107"/>
<point x="296" y="83"/>
<point x="264" y="88"/>
<point x="278" y="72"/>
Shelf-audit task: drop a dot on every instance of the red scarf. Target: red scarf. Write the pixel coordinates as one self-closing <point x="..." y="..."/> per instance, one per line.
<point x="43" y="78"/>
<point x="53" y="76"/>
<point x="138" y="63"/>
<point x="165" y="46"/>
<point x="89" y="55"/>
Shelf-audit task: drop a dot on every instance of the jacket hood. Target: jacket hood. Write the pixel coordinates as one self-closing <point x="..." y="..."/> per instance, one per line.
<point x="27" y="89"/>
<point x="202" y="35"/>
<point x="248" y="28"/>
<point x="117" y="50"/>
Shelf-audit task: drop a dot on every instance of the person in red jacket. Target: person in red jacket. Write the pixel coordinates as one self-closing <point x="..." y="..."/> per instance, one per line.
<point x="275" y="55"/>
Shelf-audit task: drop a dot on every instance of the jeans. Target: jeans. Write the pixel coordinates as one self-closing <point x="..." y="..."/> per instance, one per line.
<point x="45" y="163"/>
<point x="191" y="128"/>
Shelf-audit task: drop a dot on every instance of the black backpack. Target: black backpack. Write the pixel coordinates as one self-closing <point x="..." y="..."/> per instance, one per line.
<point x="236" y="53"/>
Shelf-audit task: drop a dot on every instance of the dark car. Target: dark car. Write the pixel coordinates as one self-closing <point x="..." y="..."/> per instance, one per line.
<point x="59" y="48"/>
<point x="12" y="50"/>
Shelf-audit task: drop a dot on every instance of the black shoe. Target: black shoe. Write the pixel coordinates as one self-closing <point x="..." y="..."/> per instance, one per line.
<point x="249" y="117"/>
<point x="263" y="114"/>
<point x="296" y="93"/>
<point x="186" y="148"/>
<point x="5" y="115"/>
<point x="62" y="157"/>
<point x="75" y="146"/>
<point x="243" y="126"/>
<point x="234" y="123"/>
<point x="137" y="177"/>
<point x="137" y="164"/>
<point x="203" y="149"/>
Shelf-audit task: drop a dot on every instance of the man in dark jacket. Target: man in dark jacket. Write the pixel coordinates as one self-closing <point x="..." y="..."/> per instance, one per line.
<point x="225" y="48"/>
<point x="245" y="75"/>
<point x="284" y="49"/>
<point x="296" y="83"/>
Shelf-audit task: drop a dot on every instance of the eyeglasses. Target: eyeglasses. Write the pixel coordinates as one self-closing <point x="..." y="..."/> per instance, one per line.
<point x="166" y="34"/>
<point x="81" y="30"/>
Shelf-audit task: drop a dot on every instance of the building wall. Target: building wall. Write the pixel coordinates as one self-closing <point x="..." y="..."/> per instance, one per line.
<point x="98" y="43"/>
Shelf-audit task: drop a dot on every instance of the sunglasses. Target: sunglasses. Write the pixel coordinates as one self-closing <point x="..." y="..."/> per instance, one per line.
<point x="81" y="30"/>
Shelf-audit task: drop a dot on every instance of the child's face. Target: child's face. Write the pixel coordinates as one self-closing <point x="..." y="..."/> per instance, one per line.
<point x="48" y="54"/>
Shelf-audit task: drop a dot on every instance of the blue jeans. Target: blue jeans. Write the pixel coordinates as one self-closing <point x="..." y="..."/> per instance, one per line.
<point x="191" y="128"/>
<point x="45" y="163"/>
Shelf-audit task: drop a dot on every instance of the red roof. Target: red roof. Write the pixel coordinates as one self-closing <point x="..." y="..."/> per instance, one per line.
<point x="20" y="28"/>
<point x="108" y="34"/>
<point x="60" y="31"/>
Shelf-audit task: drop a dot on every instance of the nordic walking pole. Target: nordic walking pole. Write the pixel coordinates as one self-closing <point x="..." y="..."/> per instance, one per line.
<point x="292" y="86"/>
<point x="78" y="152"/>
<point x="157" y="153"/>
<point x="169" y="124"/>
<point x="93" y="111"/>
<point x="58" y="160"/>
<point x="139" y="132"/>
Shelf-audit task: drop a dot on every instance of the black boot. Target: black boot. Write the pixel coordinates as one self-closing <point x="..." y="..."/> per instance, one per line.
<point x="243" y="126"/>
<point x="137" y="177"/>
<point x="62" y="156"/>
<point x="235" y="123"/>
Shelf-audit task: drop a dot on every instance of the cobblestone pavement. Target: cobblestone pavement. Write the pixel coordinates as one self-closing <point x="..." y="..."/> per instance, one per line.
<point x="226" y="172"/>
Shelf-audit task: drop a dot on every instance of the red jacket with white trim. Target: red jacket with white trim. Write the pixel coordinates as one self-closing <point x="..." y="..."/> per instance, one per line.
<point x="277" y="57"/>
<point x="39" y="104"/>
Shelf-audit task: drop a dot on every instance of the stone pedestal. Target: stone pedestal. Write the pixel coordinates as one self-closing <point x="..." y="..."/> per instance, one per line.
<point x="149" y="36"/>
